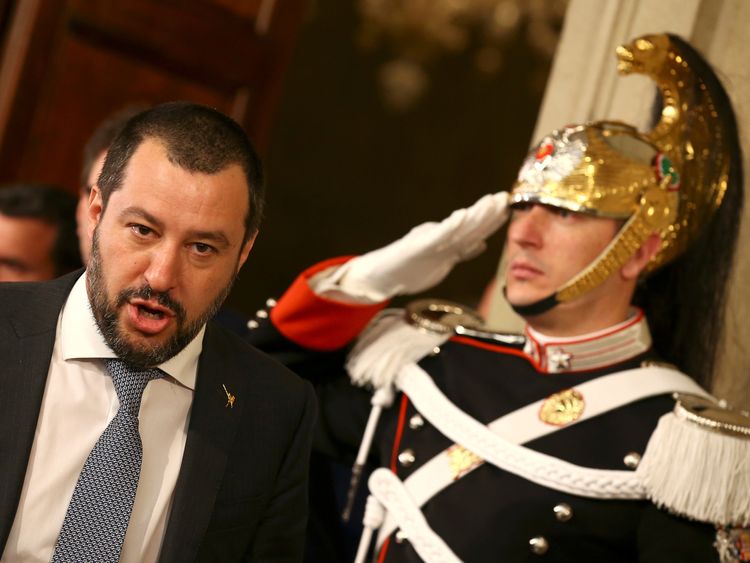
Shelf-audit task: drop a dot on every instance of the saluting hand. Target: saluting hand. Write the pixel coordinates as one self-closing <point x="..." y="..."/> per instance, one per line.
<point x="424" y="256"/>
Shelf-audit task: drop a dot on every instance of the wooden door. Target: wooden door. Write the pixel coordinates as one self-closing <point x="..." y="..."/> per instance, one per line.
<point x="67" y="64"/>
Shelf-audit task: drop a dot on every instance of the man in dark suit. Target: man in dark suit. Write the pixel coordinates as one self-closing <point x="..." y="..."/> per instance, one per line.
<point x="207" y="460"/>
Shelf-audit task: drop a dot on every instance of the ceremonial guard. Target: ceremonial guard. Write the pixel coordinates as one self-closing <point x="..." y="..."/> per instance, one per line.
<point x="564" y="443"/>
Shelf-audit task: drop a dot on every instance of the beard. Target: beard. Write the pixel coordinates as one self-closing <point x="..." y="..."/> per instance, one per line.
<point x="143" y="354"/>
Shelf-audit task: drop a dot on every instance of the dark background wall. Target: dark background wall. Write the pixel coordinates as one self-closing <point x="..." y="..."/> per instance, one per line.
<point x="65" y="65"/>
<point x="346" y="175"/>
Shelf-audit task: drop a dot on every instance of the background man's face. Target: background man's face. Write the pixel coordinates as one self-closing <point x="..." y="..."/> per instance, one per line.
<point x="83" y="229"/>
<point x="26" y="249"/>
<point x="166" y="251"/>
<point x="546" y="247"/>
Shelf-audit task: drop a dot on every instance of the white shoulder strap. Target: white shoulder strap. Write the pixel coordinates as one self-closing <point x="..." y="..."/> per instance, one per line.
<point x="601" y="395"/>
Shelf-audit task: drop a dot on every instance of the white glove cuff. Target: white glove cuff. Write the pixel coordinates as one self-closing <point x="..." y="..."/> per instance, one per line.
<point x="331" y="284"/>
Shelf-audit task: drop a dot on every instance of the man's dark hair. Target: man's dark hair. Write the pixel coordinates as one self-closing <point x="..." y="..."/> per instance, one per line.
<point x="103" y="136"/>
<point x="686" y="300"/>
<point x="50" y="205"/>
<point x="197" y="138"/>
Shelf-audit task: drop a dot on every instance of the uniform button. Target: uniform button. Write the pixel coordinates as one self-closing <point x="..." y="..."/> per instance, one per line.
<point x="563" y="512"/>
<point x="406" y="458"/>
<point x="252" y="323"/>
<point x="400" y="536"/>
<point x="262" y="314"/>
<point x="416" y="422"/>
<point x="539" y="545"/>
<point x="270" y="302"/>
<point x="631" y="460"/>
<point x="435" y="351"/>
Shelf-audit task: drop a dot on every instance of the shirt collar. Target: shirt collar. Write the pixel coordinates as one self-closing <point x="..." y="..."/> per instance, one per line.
<point x="80" y="339"/>
<point x="594" y="350"/>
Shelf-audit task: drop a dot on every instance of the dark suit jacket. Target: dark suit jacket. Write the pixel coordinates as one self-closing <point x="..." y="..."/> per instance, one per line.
<point x="241" y="494"/>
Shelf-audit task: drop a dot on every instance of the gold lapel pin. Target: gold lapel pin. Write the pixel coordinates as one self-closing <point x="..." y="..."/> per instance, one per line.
<point x="230" y="398"/>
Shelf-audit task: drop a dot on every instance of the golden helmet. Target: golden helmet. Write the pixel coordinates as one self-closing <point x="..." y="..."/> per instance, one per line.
<point x="668" y="181"/>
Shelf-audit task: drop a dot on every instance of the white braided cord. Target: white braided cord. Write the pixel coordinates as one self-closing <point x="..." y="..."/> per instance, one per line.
<point x="534" y="466"/>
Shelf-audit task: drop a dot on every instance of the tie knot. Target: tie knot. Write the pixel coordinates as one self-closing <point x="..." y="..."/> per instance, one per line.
<point x="130" y="382"/>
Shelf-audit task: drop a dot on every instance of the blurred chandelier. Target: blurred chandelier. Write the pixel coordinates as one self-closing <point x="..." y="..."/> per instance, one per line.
<point x="419" y="31"/>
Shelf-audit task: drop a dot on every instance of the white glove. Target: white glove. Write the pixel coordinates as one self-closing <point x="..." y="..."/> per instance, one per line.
<point x="422" y="258"/>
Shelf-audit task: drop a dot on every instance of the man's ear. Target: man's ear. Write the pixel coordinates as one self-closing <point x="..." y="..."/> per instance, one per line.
<point x="246" y="248"/>
<point x="633" y="267"/>
<point x="96" y="208"/>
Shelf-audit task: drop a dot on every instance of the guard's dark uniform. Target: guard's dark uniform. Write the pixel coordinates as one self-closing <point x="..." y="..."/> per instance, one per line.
<point x="490" y="515"/>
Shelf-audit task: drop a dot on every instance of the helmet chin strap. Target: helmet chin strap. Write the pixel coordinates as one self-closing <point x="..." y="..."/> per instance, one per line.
<point x="533" y="309"/>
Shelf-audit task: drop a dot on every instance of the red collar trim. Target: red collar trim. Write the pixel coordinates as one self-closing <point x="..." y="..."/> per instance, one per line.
<point x="590" y="351"/>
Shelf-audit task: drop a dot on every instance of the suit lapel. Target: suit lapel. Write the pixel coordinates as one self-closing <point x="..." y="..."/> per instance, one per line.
<point x="27" y="336"/>
<point x="213" y="425"/>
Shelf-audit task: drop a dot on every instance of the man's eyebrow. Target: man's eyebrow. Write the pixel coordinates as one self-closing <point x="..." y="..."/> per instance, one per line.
<point x="217" y="237"/>
<point x="140" y="212"/>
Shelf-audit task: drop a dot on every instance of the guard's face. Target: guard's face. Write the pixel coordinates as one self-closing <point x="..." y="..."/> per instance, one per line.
<point x="166" y="251"/>
<point x="547" y="246"/>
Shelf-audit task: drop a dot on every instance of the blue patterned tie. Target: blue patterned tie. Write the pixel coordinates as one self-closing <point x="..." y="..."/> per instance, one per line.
<point x="99" y="511"/>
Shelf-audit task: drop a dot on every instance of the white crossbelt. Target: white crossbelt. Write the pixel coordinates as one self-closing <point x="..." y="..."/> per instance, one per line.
<point x="392" y="494"/>
<point x="498" y="443"/>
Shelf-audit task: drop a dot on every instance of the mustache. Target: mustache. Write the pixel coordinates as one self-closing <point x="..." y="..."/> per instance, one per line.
<point x="146" y="292"/>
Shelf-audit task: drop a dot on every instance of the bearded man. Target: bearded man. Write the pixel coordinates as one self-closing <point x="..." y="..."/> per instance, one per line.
<point x="134" y="428"/>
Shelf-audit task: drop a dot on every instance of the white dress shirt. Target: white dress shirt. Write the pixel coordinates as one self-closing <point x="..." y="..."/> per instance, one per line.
<point x="79" y="401"/>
